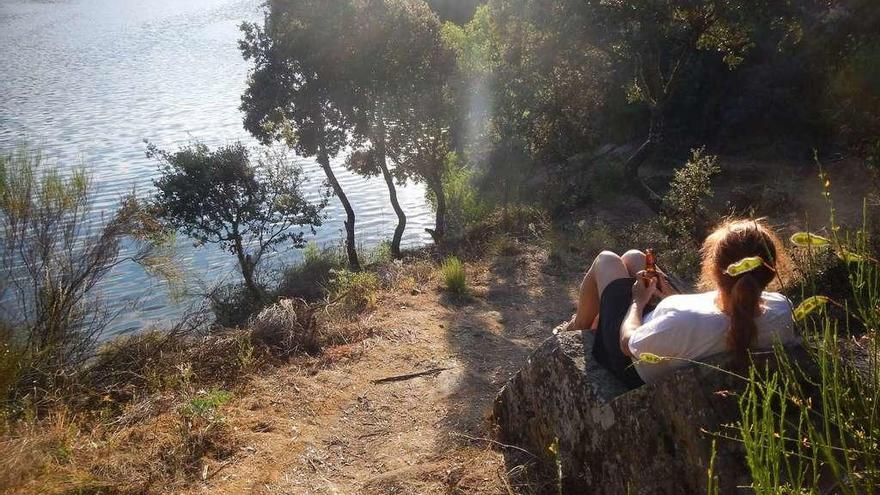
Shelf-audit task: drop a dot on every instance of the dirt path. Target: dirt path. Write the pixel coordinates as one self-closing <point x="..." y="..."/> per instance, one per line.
<point x="324" y="427"/>
<point x="328" y="429"/>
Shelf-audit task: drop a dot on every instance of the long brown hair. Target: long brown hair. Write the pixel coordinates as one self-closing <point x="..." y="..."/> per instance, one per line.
<point x="740" y="296"/>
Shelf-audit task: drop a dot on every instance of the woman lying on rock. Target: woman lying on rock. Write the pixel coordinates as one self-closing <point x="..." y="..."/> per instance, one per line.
<point x="735" y="314"/>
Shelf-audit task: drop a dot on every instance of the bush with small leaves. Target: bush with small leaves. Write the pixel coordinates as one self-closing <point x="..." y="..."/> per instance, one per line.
<point x="353" y="292"/>
<point x="234" y="304"/>
<point x="686" y="214"/>
<point x="55" y="250"/>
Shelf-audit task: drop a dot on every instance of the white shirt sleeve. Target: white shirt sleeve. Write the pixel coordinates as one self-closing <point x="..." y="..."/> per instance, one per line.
<point x="657" y="336"/>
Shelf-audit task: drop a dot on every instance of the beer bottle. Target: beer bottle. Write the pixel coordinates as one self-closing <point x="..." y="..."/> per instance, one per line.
<point x="650" y="268"/>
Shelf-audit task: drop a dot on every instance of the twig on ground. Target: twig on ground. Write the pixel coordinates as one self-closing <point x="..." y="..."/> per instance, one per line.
<point x="206" y="476"/>
<point x="409" y="376"/>
<point x="372" y="434"/>
<point x="494" y="442"/>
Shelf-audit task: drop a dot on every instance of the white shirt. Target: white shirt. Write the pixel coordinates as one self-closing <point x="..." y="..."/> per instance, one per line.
<point x="691" y="326"/>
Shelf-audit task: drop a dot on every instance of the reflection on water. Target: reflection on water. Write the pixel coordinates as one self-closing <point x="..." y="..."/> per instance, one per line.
<point x="88" y="80"/>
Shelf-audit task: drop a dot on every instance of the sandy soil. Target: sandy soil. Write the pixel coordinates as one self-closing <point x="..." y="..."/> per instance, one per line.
<point x="327" y="428"/>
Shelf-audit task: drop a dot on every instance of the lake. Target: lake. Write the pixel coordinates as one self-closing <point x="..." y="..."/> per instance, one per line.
<point x="86" y="81"/>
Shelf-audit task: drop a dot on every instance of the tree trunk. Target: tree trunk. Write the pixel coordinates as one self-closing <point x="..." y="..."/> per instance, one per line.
<point x="247" y="271"/>
<point x="438" y="233"/>
<point x="634" y="163"/>
<point x="392" y="192"/>
<point x="350" y="248"/>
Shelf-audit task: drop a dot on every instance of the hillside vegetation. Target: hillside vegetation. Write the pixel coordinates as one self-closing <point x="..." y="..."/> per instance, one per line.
<point x="544" y="132"/>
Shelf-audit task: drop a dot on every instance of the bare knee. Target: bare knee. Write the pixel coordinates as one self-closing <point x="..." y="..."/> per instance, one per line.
<point x="606" y="257"/>
<point x="634" y="261"/>
<point x="607" y="267"/>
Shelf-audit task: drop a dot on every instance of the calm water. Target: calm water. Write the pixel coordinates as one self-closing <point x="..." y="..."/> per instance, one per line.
<point x="88" y="80"/>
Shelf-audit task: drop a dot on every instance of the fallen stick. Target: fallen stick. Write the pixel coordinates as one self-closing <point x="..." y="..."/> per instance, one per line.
<point x="409" y="376"/>
<point x="493" y="442"/>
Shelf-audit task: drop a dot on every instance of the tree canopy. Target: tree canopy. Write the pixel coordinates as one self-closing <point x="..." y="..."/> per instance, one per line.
<point x="297" y="90"/>
<point x="220" y="197"/>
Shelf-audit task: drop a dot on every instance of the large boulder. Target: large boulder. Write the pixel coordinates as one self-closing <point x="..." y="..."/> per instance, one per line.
<point x="655" y="439"/>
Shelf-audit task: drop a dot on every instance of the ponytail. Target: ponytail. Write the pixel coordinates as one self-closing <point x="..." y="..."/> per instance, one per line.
<point x="745" y="298"/>
<point x="740" y="296"/>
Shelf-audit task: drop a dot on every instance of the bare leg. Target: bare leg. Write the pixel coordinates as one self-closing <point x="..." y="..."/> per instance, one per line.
<point x="634" y="261"/>
<point x="606" y="268"/>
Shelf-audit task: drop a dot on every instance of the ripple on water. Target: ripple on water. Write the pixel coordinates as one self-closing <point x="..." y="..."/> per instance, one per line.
<point x="88" y="80"/>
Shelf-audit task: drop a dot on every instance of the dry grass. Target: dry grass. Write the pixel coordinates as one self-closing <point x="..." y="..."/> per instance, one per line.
<point x="286" y="327"/>
<point x="152" y="446"/>
<point x="144" y="416"/>
<point x="133" y="432"/>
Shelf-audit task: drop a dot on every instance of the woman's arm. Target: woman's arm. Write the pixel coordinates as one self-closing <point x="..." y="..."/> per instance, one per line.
<point x="641" y="296"/>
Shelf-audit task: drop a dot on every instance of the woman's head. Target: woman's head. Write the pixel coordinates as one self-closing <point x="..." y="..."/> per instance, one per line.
<point x="740" y="296"/>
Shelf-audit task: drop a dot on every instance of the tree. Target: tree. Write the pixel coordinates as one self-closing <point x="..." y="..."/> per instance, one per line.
<point x="421" y="145"/>
<point x="297" y="92"/>
<point x="219" y="197"/>
<point x="397" y="47"/>
<point x="656" y="42"/>
<point x="547" y="79"/>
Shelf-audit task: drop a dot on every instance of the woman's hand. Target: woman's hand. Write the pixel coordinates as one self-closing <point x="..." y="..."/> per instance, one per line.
<point x="665" y="290"/>
<point x="642" y="295"/>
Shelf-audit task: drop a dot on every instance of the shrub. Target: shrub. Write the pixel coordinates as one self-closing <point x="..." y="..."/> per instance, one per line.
<point x="286" y="327"/>
<point x="54" y="252"/>
<point x="204" y="405"/>
<point x="676" y="236"/>
<point x="504" y="245"/>
<point x="464" y="204"/>
<point x="353" y="292"/>
<point x="308" y="279"/>
<point x="812" y="427"/>
<point x="203" y="430"/>
<point x="411" y="274"/>
<point x="454" y="276"/>
<point x="522" y="223"/>
<point x="10" y="357"/>
<point x="607" y="179"/>
<point x="854" y="95"/>
<point x="594" y="236"/>
<point x="803" y="431"/>
<point x="380" y="253"/>
<point x="686" y="214"/>
<point x="234" y="304"/>
<point x="873" y="162"/>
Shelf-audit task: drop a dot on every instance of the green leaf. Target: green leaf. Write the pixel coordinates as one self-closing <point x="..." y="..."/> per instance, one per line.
<point x="808" y="306"/>
<point x="744" y="265"/>
<point x="647" y="357"/>
<point x="806" y="239"/>
<point x="850" y="257"/>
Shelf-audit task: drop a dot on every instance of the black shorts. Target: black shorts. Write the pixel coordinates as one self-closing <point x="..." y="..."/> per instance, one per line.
<point x="613" y="306"/>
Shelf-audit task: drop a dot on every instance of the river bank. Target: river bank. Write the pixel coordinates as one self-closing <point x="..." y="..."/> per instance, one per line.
<point x="392" y="398"/>
<point x="325" y="423"/>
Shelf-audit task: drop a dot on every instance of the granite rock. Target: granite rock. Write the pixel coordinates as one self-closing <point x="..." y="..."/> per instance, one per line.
<point x="655" y="439"/>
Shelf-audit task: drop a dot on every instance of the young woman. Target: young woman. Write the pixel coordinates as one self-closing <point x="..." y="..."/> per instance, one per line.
<point x="734" y="314"/>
